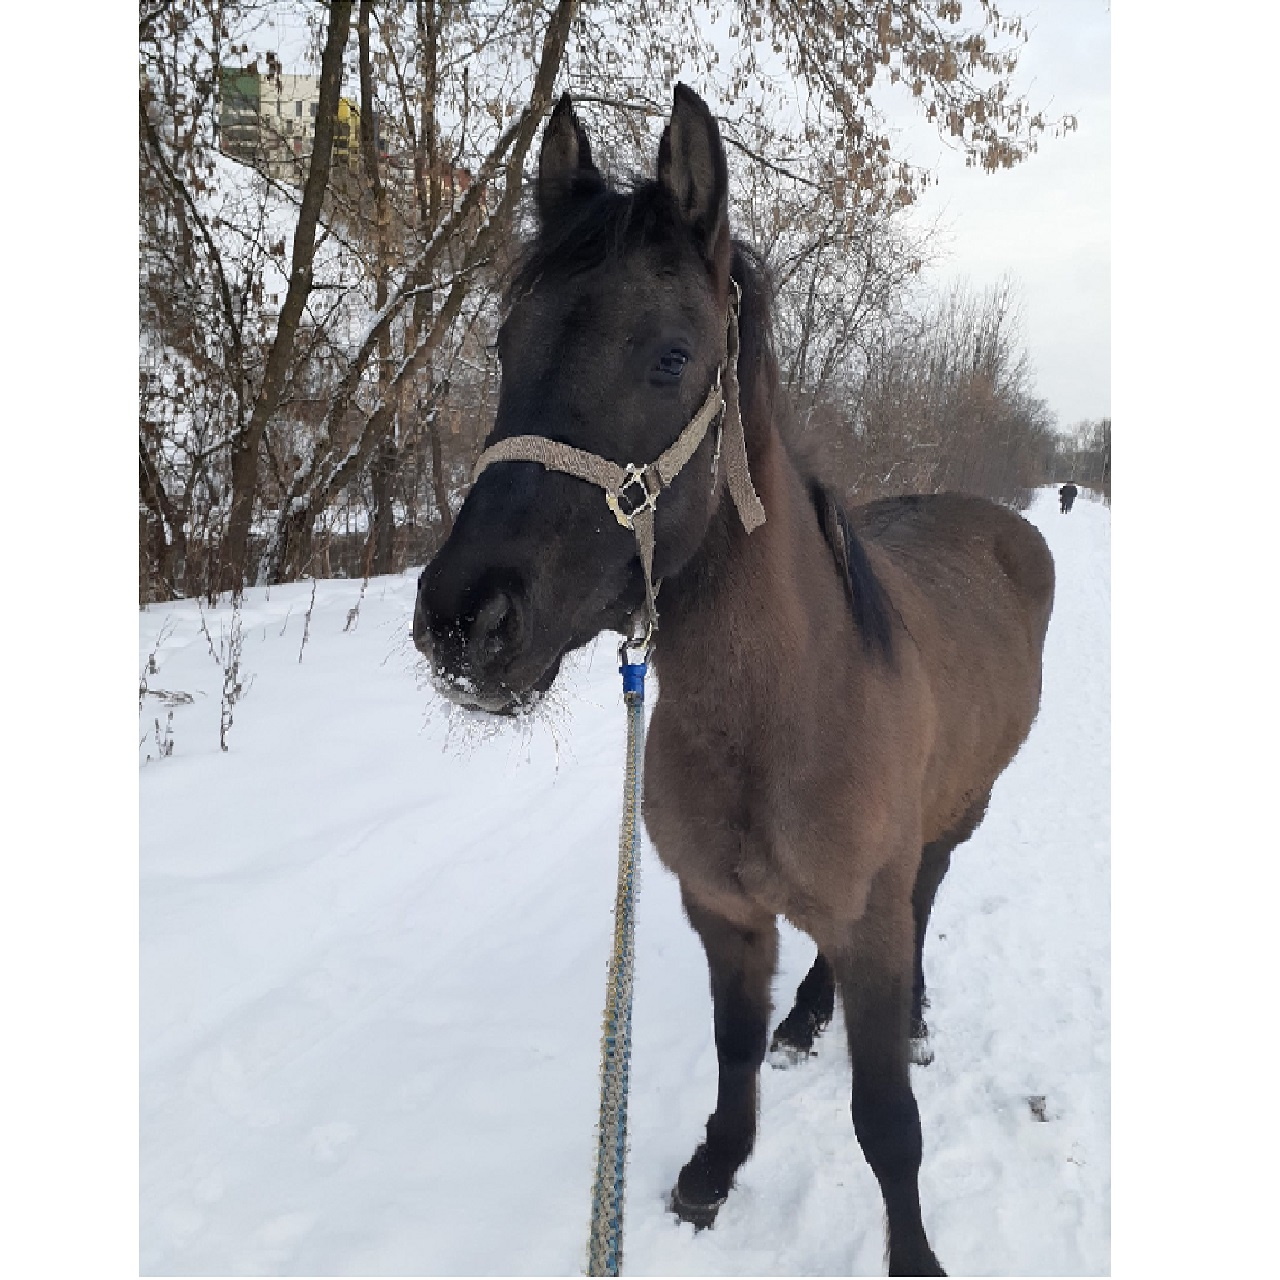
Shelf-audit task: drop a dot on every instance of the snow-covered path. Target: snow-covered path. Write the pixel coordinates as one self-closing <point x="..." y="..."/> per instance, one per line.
<point x="373" y="953"/>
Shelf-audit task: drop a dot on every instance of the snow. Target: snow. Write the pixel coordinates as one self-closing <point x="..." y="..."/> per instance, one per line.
<point x="374" y="936"/>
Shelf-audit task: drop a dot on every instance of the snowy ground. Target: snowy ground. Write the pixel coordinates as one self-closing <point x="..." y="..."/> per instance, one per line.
<point x="373" y="953"/>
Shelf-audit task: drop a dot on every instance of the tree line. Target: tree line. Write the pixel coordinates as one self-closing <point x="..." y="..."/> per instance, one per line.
<point x="316" y="338"/>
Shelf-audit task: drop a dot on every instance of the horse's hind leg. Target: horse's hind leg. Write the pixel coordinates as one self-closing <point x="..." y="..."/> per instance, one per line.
<point x="935" y="859"/>
<point x="815" y="1003"/>
<point x="742" y="962"/>
<point x="873" y="973"/>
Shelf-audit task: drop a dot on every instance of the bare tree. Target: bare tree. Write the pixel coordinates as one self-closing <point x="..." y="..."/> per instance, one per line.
<point x="324" y="473"/>
<point x="315" y="372"/>
<point x="1083" y="454"/>
<point x="947" y="404"/>
<point x="246" y="447"/>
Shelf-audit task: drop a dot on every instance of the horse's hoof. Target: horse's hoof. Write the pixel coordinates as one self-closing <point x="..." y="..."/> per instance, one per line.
<point x="921" y="1053"/>
<point x="702" y="1187"/>
<point x="793" y="1040"/>
<point x="700" y="1216"/>
<point x="783" y="1054"/>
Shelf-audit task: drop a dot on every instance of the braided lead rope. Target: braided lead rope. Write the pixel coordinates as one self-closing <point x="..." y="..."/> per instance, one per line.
<point x="604" y="1246"/>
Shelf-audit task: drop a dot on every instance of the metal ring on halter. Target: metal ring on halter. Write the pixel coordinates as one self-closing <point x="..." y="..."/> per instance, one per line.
<point x="650" y="484"/>
<point x="643" y="645"/>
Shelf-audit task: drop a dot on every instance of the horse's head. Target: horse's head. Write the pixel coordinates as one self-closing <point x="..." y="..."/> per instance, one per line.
<point x="614" y="338"/>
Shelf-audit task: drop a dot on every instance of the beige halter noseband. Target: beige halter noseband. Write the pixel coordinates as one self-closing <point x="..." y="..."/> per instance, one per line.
<point x="631" y="490"/>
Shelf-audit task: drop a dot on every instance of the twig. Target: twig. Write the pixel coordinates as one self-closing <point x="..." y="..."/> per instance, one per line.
<point x="353" y="614"/>
<point x="164" y="742"/>
<point x="227" y="655"/>
<point x="149" y="667"/>
<point x="232" y="689"/>
<point x="171" y="697"/>
<point x="306" y="626"/>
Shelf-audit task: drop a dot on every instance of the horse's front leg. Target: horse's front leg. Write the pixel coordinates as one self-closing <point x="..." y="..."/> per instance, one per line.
<point x="873" y="968"/>
<point x="742" y="961"/>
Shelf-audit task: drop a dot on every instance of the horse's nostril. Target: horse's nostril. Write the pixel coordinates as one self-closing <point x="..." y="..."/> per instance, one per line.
<point x="496" y="626"/>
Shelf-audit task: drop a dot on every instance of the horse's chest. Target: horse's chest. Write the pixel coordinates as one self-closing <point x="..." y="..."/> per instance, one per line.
<point x="725" y="820"/>
<point x="740" y="828"/>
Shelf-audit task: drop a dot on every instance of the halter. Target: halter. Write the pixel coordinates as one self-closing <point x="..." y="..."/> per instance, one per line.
<point x="631" y="489"/>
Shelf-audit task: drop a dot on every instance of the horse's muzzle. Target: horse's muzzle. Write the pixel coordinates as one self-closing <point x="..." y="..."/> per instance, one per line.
<point x="478" y="646"/>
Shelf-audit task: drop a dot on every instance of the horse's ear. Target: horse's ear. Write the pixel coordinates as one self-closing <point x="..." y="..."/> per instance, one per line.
<point x="692" y="166"/>
<point x="564" y="165"/>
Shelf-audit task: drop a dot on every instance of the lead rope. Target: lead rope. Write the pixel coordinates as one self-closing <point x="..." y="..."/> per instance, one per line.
<point x="604" y="1246"/>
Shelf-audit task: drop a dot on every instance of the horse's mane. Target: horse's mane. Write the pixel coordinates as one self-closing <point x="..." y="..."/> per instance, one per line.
<point x="607" y="224"/>
<point x="593" y="228"/>
<point x="762" y="394"/>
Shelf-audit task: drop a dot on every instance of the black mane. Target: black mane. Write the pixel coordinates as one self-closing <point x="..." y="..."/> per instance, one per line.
<point x="868" y="599"/>
<point x="596" y="226"/>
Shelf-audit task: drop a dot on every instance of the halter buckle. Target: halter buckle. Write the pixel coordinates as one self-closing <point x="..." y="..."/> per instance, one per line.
<point x="650" y="485"/>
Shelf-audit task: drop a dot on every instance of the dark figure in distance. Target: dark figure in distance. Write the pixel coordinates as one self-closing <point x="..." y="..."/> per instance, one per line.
<point x="1068" y="495"/>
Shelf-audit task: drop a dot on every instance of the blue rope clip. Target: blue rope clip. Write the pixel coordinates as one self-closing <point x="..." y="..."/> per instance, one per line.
<point x="633" y="676"/>
<point x="633" y="669"/>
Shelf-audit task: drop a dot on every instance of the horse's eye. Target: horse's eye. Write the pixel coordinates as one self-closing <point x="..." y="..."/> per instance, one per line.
<point x="672" y="364"/>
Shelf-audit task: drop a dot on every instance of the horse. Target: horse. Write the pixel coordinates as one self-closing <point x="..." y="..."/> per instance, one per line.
<point x="1066" y="496"/>
<point x="838" y="688"/>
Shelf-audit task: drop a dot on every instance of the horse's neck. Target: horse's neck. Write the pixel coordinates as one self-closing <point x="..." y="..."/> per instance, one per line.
<point x="722" y="615"/>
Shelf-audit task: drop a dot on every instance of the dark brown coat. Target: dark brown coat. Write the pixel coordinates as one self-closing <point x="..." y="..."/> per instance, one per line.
<point x="838" y="691"/>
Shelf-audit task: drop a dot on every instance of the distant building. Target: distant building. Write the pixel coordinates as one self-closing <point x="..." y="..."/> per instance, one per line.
<point x="270" y="122"/>
<point x="346" y="138"/>
<point x="238" y="113"/>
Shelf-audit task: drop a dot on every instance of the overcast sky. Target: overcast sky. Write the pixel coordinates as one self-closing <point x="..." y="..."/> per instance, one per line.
<point x="1047" y="222"/>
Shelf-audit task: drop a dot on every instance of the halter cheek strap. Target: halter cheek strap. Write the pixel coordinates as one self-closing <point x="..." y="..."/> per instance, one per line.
<point x="631" y="490"/>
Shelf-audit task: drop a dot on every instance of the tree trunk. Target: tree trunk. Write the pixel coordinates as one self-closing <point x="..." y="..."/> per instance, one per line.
<point x="383" y="469"/>
<point x="437" y="473"/>
<point x="169" y="526"/>
<point x="430" y="180"/>
<point x="247" y="446"/>
<point x="312" y="489"/>
<point x="382" y="474"/>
